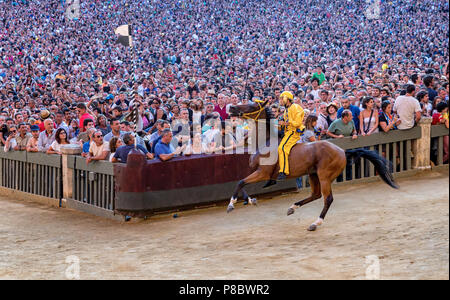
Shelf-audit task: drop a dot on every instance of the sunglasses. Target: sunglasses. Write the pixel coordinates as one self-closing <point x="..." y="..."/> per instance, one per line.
<point x="99" y="136"/>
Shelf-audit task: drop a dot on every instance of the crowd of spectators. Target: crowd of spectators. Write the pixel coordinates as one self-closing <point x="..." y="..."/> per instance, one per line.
<point x="67" y="81"/>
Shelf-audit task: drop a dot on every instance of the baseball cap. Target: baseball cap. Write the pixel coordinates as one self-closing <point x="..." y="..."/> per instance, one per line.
<point x="34" y="128"/>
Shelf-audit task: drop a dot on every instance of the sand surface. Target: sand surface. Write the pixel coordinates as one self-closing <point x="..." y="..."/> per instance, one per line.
<point x="406" y="229"/>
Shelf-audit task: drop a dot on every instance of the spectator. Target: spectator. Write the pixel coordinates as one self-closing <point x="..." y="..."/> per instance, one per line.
<point x="197" y="146"/>
<point x="441" y="117"/>
<point x="98" y="149"/>
<point x="46" y="137"/>
<point x="408" y="108"/>
<point x="322" y="119"/>
<point x="436" y="101"/>
<point x="102" y="125"/>
<point x="309" y="135"/>
<point x="85" y="146"/>
<point x="61" y="138"/>
<point x="115" y="130"/>
<point x="59" y="121"/>
<point x="429" y="82"/>
<point x="343" y="127"/>
<point x="331" y="112"/>
<point x="32" y="145"/>
<point x="345" y="102"/>
<point x="121" y="154"/>
<point x="87" y="124"/>
<point x="10" y="142"/>
<point x="368" y="119"/>
<point x="114" y="143"/>
<point x="83" y="115"/>
<point x="22" y="138"/>
<point x="319" y="75"/>
<point x="164" y="149"/>
<point x="44" y="115"/>
<point x="156" y="136"/>
<point x="182" y="127"/>
<point x="426" y="106"/>
<point x="221" y="107"/>
<point x="387" y="120"/>
<point x="73" y="130"/>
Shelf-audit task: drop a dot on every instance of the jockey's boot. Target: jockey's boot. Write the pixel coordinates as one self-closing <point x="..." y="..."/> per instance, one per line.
<point x="269" y="183"/>
<point x="281" y="176"/>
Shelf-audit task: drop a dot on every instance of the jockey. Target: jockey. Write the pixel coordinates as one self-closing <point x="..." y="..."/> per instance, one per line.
<point x="293" y="128"/>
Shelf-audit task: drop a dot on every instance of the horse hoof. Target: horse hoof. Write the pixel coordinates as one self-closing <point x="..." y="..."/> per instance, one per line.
<point x="312" y="227"/>
<point x="291" y="211"/>
<point x="253" y="201"/>
<point x="230" y="209"/>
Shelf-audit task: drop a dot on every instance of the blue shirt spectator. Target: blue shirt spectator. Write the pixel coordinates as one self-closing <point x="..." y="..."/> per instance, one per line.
<point x="163" y="148"/>
<point x="345" y="102"/>
<point x="122" y="152"/>
<point x="86" y="147"/>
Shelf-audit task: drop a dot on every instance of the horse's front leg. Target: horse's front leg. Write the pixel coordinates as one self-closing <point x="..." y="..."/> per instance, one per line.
<point x="256" y="176"/>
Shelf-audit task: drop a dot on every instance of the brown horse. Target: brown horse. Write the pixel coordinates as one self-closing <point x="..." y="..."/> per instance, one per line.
<point x="322" y="161"/>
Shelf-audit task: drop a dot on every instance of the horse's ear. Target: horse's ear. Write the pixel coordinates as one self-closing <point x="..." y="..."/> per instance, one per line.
<point x="265" y="103"/>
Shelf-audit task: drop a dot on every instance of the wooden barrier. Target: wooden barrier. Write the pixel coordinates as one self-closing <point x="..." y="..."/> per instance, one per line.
<point x="105" y="189"/>
<point x="34" y="173"/>
<point x="438" y="133"/>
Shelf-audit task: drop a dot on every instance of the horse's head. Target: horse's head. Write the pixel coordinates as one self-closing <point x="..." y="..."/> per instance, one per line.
<point x="254" y="110"/>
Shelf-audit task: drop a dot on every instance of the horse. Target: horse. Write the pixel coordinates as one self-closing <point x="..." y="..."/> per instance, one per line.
<point x="322" y="161"/>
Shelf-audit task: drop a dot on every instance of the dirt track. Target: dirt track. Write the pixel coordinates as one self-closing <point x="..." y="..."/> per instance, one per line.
<point x="407" y="229"/>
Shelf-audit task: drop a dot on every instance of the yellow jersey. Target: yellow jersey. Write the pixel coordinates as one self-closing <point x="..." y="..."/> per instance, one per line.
<point x="294" y="115"/>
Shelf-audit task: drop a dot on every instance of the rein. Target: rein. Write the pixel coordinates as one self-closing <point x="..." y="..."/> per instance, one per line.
<point x="257" y="112"/>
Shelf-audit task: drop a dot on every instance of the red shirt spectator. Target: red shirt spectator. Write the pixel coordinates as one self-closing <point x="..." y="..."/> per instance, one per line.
<point x="83" y="115"/>
<point x="221" y="107"/>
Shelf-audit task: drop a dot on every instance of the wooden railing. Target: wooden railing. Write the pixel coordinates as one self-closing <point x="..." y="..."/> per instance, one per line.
<point x="395" y="146"/>
<point x="438" y="133"/>
<point x="34" y="173"/>
<point x="94" y="185"/>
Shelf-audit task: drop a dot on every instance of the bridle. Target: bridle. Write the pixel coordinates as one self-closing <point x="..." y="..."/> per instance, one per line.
<point x="257" y="112"/>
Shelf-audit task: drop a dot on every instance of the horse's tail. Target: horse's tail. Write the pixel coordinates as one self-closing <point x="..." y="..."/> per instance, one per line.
<point x="382" y="165"/>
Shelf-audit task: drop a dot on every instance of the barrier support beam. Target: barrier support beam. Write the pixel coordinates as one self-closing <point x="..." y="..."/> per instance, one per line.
<point x="421" y="147"/>
<point x="68" y="173"/>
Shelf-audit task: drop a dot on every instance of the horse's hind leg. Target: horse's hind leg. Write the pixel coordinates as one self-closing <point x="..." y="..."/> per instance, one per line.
<point x="315" y="194"/>
<point x="328" y="199"/>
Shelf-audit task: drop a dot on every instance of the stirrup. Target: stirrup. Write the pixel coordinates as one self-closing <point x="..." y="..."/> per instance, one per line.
<point x="282" y="176"/>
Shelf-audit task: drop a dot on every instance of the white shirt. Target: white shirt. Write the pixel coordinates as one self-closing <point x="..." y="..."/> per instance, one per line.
<point x="406" y="107"/>
<point x="322" y="123"/>
<point x="56" y="146"/>
<point x="12" y="145"/>
<point x="98" y="150"/>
